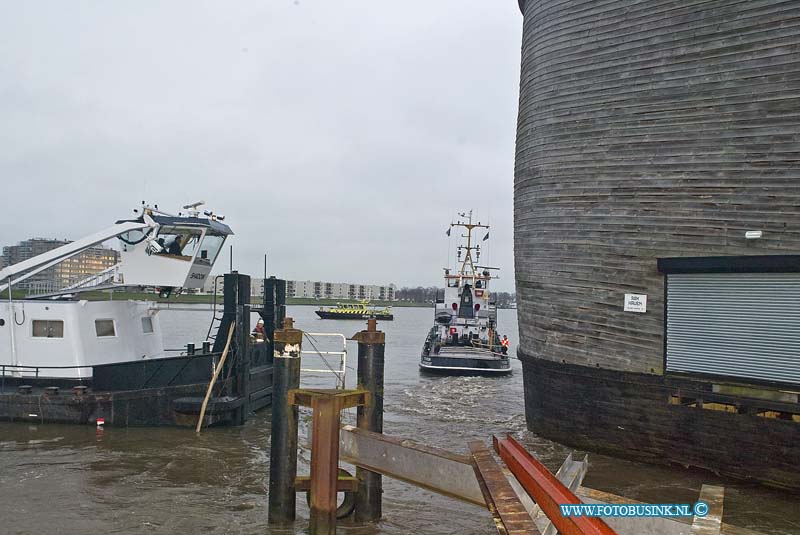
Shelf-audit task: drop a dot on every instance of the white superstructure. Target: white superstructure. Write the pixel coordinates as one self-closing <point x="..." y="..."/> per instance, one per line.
<point x="59" y="336"/>
<point x="52" y="335"/>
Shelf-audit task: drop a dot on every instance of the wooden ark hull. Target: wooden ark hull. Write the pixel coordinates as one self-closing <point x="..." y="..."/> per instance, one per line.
<point x="656" y="231"/>
<point x="660" y="420"/>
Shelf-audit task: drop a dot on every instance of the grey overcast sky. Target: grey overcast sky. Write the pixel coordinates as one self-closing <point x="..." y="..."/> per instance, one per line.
<point x="340" y="137"/>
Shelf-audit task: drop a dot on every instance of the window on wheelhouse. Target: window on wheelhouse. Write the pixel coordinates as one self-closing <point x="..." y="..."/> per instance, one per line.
<point x="179" y="242"/>
<point x="147" y="325"/>
<point x="104" y="328"/>
<point x="48" y="329"/>
<point x="209" y="248"/>
<point x="132" y="238"/>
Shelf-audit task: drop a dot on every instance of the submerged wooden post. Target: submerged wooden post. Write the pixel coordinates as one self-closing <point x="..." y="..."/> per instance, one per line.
<point x="371" y="352"/>
<point x="236" y="291"/>
<point x="273" y="309"/>
<point x="711" y="523"/>
<point x="243" y="361"/>
<point x="283" y="442"/>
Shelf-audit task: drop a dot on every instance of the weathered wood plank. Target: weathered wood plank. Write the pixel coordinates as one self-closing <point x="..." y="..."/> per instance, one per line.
<point x="510" y="515"/>
<point x="711" y="524"/>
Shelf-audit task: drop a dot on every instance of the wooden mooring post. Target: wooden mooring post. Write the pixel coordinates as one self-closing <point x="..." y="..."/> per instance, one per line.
<point x="371" y="352"/>
<point x="283" y="444"/>
<point x="242" y="362"/>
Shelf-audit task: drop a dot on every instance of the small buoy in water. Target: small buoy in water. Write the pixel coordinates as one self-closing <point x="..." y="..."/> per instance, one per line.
<point x="101" y="422"/>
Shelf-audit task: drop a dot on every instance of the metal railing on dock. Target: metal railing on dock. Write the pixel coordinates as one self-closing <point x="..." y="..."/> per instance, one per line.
<point x="341" y="371"/>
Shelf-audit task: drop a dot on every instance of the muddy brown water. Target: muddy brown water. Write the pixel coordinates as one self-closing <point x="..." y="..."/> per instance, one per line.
<point x="74" y="479"/>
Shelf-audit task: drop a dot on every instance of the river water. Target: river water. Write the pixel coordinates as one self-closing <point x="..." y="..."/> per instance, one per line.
<point x="73" y="479"/>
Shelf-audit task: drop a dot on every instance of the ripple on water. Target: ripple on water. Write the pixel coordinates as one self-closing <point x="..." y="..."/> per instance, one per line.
<point x="163" y="480"/>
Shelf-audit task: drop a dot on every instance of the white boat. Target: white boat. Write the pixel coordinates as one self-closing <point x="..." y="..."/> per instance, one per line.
<point x="464" y="338"/>
<point x="61" y="336"/>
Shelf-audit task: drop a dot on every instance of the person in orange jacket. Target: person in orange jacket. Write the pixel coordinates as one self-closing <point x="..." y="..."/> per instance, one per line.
<point x="504" y="345"/>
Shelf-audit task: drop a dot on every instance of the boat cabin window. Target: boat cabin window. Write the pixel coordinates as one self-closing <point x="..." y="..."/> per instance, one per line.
<point x="147" y="325"/>
<point x="209" y="249"/>
<point x="132" y="238"/>
<point x="180" y="242"/>
<point x="104" y="328"/>
<point x="48" y="329"/>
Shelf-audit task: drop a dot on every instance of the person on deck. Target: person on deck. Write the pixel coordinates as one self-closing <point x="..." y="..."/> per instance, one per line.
<point x="175" y="246"/>
<point x="504" y="345"/>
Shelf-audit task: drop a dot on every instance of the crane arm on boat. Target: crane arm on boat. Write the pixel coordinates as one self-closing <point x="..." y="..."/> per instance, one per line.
<point x="39" y="263"/>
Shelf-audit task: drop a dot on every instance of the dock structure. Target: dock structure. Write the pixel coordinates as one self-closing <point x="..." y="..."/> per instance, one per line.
<point x="520" y="493"/>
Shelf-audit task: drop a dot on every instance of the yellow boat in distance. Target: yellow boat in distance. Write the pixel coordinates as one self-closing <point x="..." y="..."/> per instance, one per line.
<point x="355" y="311"/>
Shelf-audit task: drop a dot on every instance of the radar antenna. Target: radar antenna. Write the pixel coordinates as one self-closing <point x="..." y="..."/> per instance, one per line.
<point x="467" y="268"/>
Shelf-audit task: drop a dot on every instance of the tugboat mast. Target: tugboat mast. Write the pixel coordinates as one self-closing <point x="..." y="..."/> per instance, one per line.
<point x="468" y="261"/>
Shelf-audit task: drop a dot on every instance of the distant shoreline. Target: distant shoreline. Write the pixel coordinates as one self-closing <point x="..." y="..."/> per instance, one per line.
<point x="188" y="299"/>
<point x="208" y="299"/>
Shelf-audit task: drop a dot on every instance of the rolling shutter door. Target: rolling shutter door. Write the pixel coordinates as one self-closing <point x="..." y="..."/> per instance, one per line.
<point x="735" y="324"/>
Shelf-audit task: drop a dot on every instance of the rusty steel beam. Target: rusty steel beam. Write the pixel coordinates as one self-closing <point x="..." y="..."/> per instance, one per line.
<point x="510" y="515"/>
<point x="430" y="468"/>
<point x="345" y="399"/>
<point x="326" y="405"/>
<point x="548" y="491"/>
<point x="344" y="484"/>
<point x="324" y="464"/>
<point x="571" y="474"/>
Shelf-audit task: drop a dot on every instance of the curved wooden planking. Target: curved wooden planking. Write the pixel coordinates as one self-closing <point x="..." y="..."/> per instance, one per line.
<point x="646" y="129"/>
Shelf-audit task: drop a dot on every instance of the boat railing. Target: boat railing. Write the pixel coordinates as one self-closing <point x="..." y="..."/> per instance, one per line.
<point x="17" y="370"/>
<point x="339" y="372"/>
<point x="496" y="348"/>
<point x="128" y="375"/>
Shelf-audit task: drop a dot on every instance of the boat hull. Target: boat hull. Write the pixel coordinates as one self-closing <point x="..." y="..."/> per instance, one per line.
<point x="634" y="415"/>
<point x="465" y="362"/>
<point x="326" y="315"/>
<point x="76" y="344"/>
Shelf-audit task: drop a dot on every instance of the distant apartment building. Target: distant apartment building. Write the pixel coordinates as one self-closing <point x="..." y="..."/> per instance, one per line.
<point x="321" y="290"/>
<point x="68" y="272"/>
<point x="340" y="290"/>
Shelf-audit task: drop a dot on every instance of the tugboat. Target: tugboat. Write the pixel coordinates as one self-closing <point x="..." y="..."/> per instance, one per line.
<point x="464" y="338"/>
<point x="355" y="311"/>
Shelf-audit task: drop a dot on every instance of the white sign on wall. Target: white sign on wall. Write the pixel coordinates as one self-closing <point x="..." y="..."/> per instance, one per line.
<point x="635" y="303"/>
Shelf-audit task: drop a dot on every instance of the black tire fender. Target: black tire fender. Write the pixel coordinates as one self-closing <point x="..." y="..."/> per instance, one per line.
<point x="348" y="505"/>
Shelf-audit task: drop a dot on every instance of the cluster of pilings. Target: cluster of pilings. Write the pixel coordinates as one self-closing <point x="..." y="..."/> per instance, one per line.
<point x="325" y="480"/>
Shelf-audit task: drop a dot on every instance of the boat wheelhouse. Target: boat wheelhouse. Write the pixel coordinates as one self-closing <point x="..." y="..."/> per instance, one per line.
<point x="464" y="338"/>
<point x="59" y="335"/>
